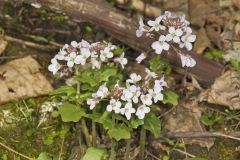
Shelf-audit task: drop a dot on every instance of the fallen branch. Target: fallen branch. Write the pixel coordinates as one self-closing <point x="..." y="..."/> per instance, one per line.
<point x="50" y="46"/>
<point x="140" y="6"/>
<point x="233" y="135"/>
<point x="123" y="28"/>
<point x="15" y="152"/>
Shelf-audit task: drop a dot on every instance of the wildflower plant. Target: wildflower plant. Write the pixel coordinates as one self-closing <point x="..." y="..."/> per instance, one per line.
<point x="105" y="97"/>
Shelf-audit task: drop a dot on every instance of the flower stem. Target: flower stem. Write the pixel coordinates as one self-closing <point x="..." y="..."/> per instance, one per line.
<point x="83" y="122"/>
<point x="93" y="134"/>
<point x="142" y="143"/>
<point x="128" y="147"/>
<point x="85" y="132"/>
<point x="113" y="153"/>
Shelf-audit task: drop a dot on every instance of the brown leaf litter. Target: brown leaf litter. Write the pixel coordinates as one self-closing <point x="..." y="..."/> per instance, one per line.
<point x="225" y="91"/>
<point x="22" y="77"/>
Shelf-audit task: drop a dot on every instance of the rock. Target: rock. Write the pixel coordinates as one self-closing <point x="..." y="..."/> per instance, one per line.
<point x="22" y="77"/>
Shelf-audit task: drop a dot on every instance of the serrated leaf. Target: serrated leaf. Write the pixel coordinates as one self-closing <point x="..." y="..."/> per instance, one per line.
<point x="119" y="133"/>
<point x="71" y="113"/>
<point x="153" y="124"/>
<point x="95" y="154"/>
<point x="170" y="97"/>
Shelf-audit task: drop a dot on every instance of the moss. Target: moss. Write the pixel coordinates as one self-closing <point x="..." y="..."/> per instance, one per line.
<point x="26" y="138"/>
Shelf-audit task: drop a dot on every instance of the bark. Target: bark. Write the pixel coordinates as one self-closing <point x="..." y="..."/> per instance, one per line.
<point x="123" y="28"/>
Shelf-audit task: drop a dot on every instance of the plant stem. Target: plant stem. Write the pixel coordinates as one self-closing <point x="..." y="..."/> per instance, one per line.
<point x="83" y="122"/>
<point x="85" y="132"/>
<point x="80" y="141"/>
<point x="128" y="147"/>
<point x="93" y="134"/>
<point x="113" y="153"/>
<point x="142" y="143"/>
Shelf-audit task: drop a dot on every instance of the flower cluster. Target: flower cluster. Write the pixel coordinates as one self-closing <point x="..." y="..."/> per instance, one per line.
<point x="84" y="53"/>
<point x="170" y="31"/>
<point x="135" y="97"/>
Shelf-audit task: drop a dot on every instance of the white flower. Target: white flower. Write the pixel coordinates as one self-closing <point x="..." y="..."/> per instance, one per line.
<point x="127" y="95"/>
<point x="160" y="45"/>
<point x="150" y="74"/>
<point x="84" y="44"/>
<point x="61" y="54"/>
<point x="80" y="59"/>
<point x="92" y="103"/>
<point x="135" y="91"/>
<point x="106" y="53"/>
<point x="187" y="41"/>
<point x="122" y="60"/>
<point x="187" y="61"/>
<point x="155" y="25"/>
<point x="128" y="110"/>
<point x="174" y="34"/>
<point x="71" y="59"/>
<point x="54" y="66"/>
<point x="140" y="58"/>
<point x="95" y="63"/>
<point x="74" y="44"/>
<point x="141" y="111"/>
<point x="134" y="78"/>
<point x="146" y="99"/>
<point x="114" y="106"/>
<point x="85" y="52"/>
<point x="141" y="29"/>
<point x="102" y="91"/>
<point x="157" y="96"/>
<point x="159" y="84"/>
<point x="84" y="55"/>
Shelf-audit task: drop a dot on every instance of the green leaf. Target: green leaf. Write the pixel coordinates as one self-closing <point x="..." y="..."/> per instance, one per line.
<point x="153" y="124"/>
<point x="95" y="154"/>
<point x="64" y="90"/>
<point x="170" y="97"/>
<point x="206" y="121"/>
<point x="214" y="54"/>
<point x="159" y="66"/>
<point x="106" y="120"/>
<point x="235" y="64"/>
<point x="94" y="77"/>
<point x="119" y="133"/>
<point x="135" y="123"/>
<point x="46" y="156"/>
<point x="211" y="119"/>
<point x="71" y="113"/>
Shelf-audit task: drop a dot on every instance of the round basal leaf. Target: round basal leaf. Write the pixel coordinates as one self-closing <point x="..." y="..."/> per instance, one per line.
<point x="119" y="133"/>
<point x="170" y="97"/>
<point x="153" y="124"/>
<point x="95" y="154"/>
<point x="71" y="113"/>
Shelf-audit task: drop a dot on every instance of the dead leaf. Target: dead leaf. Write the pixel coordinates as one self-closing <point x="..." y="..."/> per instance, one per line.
<point x="225" y="91"/>
<point x="213" y="33"/>
<point x="3" y="45"/>
<point x="22" y="78"/>
<point x="202" y="41"/>
<point x="198" y="11"/>
<point x="185" y="118"/>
